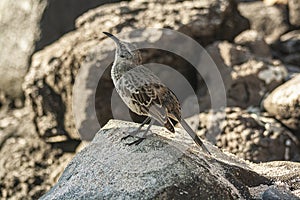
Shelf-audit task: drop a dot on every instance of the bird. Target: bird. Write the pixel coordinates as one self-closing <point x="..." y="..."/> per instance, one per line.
<point x="144" y="93"/>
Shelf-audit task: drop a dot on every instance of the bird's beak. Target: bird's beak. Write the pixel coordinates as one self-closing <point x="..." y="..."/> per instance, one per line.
<point x="114" y="38"/>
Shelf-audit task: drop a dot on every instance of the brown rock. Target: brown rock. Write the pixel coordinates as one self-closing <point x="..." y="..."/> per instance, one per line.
<point x="249" y="134"/>
<point x="19" y="24"/>
<point x="271" y="21"/>
<point x="294" y="12"/>
<point x="247" y="78"/>
<point x="255" y="42"/>
<point x="283" y="103"/>
<point x="27" y="26"/>
<point x="29" y="166"/>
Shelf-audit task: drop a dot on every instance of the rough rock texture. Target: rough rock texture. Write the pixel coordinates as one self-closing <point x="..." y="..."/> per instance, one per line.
<point x="248" y="134"/>
<point x="19" y="31"/>
<point x="294" y="12"/>
<point x="205" y="21"/>
<point x="283" y="103"/>
<point x="164" y="166"/>
<point x="284" y="173"/>
<point x="288" y="48"/>
<point x="271" y="21"/>
<point x="27" y="26"/>
<point x="247" y="77"/>
<point x="48" y="85"/>
<point x="255" y="41"/>
<point x="29" y="166"/>
<point x="273" y="2"/>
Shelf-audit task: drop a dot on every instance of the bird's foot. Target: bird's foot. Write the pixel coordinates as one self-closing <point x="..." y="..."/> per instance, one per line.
<point x="136" y="142"/>
<point x="134" y="135"/>
<point x="131" y="134"/>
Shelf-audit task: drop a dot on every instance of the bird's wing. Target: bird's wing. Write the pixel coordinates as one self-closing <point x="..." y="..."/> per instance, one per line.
<point x="148" y="94"/>
<point x="159" y="102"/>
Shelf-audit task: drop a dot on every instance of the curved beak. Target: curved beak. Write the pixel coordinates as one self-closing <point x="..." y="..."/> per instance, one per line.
<point x="114" y="38"/>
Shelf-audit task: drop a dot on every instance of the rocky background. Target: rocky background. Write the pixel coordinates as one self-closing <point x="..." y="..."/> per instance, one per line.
<point x="255" y="44"/>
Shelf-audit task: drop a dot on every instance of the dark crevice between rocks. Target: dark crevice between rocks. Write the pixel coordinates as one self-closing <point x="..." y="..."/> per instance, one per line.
<point x="54" y="104"/>
<point x="68" y="146"/>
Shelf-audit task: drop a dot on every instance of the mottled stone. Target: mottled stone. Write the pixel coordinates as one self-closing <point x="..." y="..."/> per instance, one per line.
<point x="283" y="103"/>
<point x="294" y="12"/>
<point x="249" y="134"/>
<point x="247" y="77"/>
<point x="271" y="21"/>
<point x="255" y="42"/>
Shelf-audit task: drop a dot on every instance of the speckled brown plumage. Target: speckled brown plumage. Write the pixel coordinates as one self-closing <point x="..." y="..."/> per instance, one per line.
<point x="143" y="92"/>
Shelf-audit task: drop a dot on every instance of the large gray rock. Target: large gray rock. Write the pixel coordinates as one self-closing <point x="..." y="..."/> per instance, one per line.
<point x="283" y="103"/>
<point x="271" y="21"/>
<point x="294" y="12"/>
<point x="27" y="26"/>
<point x="164" y="166"/>
<point x="247" y="77"/>
<point x="49" y="82"/>
<point x="249" y="134"/>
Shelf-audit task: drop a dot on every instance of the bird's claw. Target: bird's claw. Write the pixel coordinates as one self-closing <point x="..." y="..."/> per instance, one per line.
<point x="128" y="136"/>
<point x="136" y="142"/>
<point x="133" y="135"/>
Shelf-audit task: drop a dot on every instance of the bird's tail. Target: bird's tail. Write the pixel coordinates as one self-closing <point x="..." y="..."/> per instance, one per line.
<point x="190" y="131"/>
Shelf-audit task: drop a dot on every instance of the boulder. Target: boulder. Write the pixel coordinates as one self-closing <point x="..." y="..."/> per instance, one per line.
<point x="256" y="43"/>
<point x="271" y="21"/>
<point x="166" y="166"/>
<point x="249" y="134"/>
<point x="247" y="77"/>
<point x="29" y="165"/>
<point x="294" y="12"/>
<point x="19" y="22"/>
<point x="49" y="83"/>
<point x="283" y="103"/>
<point x="27" y="26"/>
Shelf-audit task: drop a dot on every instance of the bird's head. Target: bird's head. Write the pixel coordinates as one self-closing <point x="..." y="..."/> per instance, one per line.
<point x="125" y="52"/>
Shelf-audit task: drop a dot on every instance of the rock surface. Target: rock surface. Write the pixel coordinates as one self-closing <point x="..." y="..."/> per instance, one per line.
<point x="29" y="166"/>
<point x="27" y="26"/>
<point x="294" y="12"/>
<point x="249" y="134"/>
<point x="49" y="83"/>
<point x="289" y="48"/>
<point x="246" y="76"/>
<point x="256" y="43"/>
<point x="271" y="21"/>
<point x="163" y="166"/>
<point x="283" y="103"/>
<point x="19" y="31"/>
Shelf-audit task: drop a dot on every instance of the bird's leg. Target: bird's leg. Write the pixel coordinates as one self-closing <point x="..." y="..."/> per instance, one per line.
<point x="138" y="141"/>
<point x="135" y="132"/>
